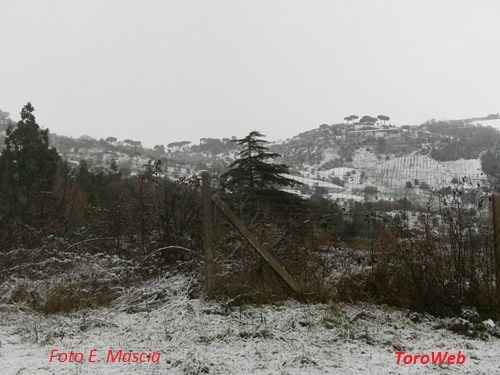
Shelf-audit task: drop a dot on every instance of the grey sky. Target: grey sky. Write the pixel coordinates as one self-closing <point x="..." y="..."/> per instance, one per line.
<point x="163" y="71"/>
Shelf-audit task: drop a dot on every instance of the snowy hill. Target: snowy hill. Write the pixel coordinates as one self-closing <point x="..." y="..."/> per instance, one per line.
<point x="348" y="160"/>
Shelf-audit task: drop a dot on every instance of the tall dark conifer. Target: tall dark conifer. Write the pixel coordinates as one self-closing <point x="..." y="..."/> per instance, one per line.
<point x="253" y="177"/>
<point x="28" y="168"/>
<point x="252" y="169"/>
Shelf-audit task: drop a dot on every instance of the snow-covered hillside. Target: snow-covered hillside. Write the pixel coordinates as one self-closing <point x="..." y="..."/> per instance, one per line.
<point x="346" y="159"/>
<point x="389" y="177"/>
<point x="394" y="173"/>
<point x="196" y="336"/>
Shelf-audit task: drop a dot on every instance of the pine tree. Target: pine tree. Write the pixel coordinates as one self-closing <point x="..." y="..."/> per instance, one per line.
<point x="253" y="177"/>
<point x="252" y="171"/>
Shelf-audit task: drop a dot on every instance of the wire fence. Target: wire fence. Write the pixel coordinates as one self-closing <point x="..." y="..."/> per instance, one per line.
<point x="344" y="200"/>
<point x="421" y="227"/>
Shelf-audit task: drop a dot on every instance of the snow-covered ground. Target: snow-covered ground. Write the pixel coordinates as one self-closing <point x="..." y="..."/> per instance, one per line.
<point x="390" y="177"/>
<point x="395" y="172"/>
<point x="196" y="336"/>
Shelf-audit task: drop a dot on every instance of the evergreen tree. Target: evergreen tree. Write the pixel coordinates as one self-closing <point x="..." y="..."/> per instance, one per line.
<point x="383" y="118"/>
<point x="28" y="168"/>
<point x="254" y="179"/>
<point x="252" y="171"/>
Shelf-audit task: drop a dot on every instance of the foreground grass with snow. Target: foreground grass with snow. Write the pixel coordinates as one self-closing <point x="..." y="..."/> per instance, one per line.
<point x="196" y="336"/>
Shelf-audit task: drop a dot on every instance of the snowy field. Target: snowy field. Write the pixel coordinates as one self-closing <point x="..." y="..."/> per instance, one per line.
<point x="195" y="336"/>
<point x="395" y="172"/>
<point x="391" y="176"/>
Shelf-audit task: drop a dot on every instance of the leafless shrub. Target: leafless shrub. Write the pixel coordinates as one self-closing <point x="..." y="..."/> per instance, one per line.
<point x="437" y="264"/>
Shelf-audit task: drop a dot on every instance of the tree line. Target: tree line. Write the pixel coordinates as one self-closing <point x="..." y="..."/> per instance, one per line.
<point x="367" y="120"/>
<point x="42" y="195"/>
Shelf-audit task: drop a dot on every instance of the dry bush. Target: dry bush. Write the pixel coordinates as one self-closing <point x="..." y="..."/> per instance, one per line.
<point x="438" y="265"/>
<point x="437" y="258"/>
<point x="60" y="298"/>
<point x="58" y="277"/>
<point x="51" y="280"/>
<point x="244" y="276"/>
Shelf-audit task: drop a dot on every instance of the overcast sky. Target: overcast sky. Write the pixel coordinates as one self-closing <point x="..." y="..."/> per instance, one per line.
<point x="163" y="71"/>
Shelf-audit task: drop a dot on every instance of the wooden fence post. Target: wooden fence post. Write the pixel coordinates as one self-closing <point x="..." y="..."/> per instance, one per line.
<point x="254" y="242"/>
<point x="496" y="237"/>
<point x="208" y="232"/>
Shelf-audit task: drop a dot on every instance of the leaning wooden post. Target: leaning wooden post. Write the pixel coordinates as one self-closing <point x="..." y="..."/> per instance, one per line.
<point x="254" y="242"/>
<point x="208" y="231"/>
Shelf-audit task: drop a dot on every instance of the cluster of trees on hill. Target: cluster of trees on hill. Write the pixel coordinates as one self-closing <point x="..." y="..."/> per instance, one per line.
<point x="461" y="140"/>
<point x="367" y="120"/>
<point x="69" y="145"/>
<point x="214" y="145"/>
